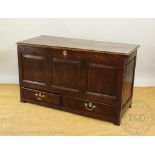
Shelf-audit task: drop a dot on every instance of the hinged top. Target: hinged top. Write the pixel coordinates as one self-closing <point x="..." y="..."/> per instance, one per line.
<point x="81" y="44"/>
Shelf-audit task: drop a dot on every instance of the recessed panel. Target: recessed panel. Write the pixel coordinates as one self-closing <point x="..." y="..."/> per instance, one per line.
<point x="65" y="73"/>
<point x="101" y="79"/>
<point x="33" y="68"/>
<point x="128" y="81"/>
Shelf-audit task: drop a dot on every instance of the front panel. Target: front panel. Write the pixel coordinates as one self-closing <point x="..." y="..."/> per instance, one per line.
<point x="66" y="73"/>
<point x="33" y="65"/>
<point x="65" y="70"/>
<point x="33" y="68"/>
<point x="102" y="79"/>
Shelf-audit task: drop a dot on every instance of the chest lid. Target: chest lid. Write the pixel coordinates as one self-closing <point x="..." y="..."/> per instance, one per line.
<point x="80" y="44"/>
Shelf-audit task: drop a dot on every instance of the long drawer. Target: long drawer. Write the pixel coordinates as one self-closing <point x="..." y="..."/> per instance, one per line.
<point x="41" y="96"/>
<point x="89" y="106"/>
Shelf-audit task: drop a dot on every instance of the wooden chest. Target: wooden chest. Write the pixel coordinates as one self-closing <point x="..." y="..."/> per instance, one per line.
<point x="90" y="78"/>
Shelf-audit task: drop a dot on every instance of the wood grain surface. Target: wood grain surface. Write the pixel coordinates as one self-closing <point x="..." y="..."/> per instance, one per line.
<point x="81" y="44"/>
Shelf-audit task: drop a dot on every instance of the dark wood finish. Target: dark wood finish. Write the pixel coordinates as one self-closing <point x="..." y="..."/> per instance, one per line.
<point x="62" y="74"/>
<point x="103" y="75"/>
<point x="99" y="109"/>
<point x="80" y="44"/>
<point x="48" y="97"/>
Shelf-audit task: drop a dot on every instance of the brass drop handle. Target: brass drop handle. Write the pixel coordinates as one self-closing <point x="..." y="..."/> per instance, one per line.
<point x="64" y="53"/>
<point x="39" y="96"/>
<point x="90" y="106"/>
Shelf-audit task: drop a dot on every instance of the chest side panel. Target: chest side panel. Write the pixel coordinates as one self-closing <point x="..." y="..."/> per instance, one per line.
<point x="129" y="71"/>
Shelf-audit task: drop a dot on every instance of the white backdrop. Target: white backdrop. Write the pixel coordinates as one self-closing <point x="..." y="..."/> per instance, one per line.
<point x="136" y="31"/>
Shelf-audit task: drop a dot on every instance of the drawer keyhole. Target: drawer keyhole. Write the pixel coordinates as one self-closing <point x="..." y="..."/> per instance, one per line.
<point x="64" y="53"/>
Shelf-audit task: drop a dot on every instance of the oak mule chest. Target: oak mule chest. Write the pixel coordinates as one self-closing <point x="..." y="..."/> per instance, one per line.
<point x="90" y="78"/>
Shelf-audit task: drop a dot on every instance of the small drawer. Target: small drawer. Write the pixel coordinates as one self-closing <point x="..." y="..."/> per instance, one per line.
<point x="41" y="96"/>
<point x="90" y="106"/>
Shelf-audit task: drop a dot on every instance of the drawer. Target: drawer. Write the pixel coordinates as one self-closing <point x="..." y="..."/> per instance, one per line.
<point x="89" y="106"/>
<point x="41" y="96"/>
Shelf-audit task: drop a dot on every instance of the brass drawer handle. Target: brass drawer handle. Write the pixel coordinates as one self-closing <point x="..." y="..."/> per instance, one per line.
<point x="39" y="96"/>
<point x="90" y="106"/>
<point x="64" y="53"/>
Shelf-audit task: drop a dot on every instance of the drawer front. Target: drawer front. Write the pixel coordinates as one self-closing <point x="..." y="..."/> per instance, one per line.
<point x="89" y="106"/>
<point x="36" y="95"/>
